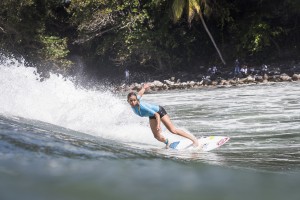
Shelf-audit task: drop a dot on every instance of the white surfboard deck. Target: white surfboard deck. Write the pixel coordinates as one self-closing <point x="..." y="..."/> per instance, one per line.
<point x="208" y="143"/>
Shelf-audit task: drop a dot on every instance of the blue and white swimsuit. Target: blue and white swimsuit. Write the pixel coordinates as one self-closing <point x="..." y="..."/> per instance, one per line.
<point x="148" y="110"/>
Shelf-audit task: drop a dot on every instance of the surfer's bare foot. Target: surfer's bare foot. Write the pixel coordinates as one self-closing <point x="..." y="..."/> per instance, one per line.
<point x="196" y="144"/>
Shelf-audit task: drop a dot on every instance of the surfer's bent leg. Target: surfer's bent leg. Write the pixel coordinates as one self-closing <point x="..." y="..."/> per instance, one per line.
<point x="156" y="133"/>
<point x="167" y="122"/>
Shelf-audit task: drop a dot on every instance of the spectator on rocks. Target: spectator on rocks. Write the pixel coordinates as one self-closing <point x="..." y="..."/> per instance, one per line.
<point x="236" y="68"/>
<point x="209" y="71"/>
<point x="214" y="70"/>
<point x="244" y="71"/>
<point x="251" y="71"/>
<point x="127" y="76"/>
<point x="264" y="69"/>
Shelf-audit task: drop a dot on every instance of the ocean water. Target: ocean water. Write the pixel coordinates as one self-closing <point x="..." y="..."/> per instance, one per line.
<point x="62" y="141"/>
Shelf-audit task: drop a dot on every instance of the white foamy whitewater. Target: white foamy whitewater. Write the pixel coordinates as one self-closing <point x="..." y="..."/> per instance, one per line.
<point x="59" y="101"/>
<point x="256" y="118"/>
<point x="262" y="122"/>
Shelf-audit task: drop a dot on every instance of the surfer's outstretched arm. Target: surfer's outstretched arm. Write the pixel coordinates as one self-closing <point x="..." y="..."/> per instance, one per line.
<point x="142" y="91"/>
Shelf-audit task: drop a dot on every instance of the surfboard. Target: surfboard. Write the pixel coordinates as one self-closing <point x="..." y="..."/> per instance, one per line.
<point x="207" y="143"/>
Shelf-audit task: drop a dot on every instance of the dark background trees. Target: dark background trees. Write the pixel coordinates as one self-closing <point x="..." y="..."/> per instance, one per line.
<point x="111" y="35"/>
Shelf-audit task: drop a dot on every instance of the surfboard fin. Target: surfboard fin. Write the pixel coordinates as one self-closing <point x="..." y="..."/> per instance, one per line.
<point x="173" y="145"/>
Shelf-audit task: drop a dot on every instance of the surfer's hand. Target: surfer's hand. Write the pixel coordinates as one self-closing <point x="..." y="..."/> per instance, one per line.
<point x="146" y="86"/>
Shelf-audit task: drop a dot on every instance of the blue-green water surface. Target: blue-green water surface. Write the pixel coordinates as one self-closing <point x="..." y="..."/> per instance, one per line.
<point x="58" y="141"/>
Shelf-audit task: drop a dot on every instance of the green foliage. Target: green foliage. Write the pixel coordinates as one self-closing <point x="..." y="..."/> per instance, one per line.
<point x="127" y="32"/>
<point x="142" y="34"/>
<point x="259" y="36"/>
<point x="258" y="29"/>
<point x="55" y="49"/>
<point x="16" y="25"/>
<point x="23" y="24"/>
<point x="177" y="8"/>
<point x="194" y="8"/>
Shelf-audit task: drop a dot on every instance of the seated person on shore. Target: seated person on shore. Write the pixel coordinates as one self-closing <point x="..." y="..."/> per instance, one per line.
<point x="209" y="71"/>
<point x="251" y="71"/>
<point x="264" y="69"/>
<point x="244" y="71"/>
<point x="214" y="69"/>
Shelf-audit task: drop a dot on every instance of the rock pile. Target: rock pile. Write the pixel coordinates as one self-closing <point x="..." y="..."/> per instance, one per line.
<point x="173" y="84"/>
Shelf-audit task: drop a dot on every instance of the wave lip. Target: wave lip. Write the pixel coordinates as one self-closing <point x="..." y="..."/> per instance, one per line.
<point x="59" y="101"/>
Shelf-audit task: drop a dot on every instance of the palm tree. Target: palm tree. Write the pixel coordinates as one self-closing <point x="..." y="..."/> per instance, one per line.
<point x="193" y="7"/>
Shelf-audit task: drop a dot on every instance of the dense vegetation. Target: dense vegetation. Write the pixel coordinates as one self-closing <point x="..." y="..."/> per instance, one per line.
<point x="150" y="35"/>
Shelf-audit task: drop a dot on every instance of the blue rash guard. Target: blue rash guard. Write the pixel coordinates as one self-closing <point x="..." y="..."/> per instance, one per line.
<point x="145" y="109"/>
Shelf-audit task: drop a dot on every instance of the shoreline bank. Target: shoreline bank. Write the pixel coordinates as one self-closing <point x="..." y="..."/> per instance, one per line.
<point x="175" y="84"/>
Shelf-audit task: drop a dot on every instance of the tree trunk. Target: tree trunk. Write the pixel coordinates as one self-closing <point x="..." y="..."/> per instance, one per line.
<point x="160" y="64"/>
<point x="276" y="45"/>
<point x="211" y="38"/>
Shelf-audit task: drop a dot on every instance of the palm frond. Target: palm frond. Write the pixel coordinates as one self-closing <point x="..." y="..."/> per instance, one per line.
<point x="206" y="9"/>
<point x="195" y="5"/>
<point x="177" y="9"/>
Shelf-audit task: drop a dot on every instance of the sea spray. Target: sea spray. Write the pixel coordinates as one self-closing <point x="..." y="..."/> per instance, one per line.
<point x="59" y="101"/>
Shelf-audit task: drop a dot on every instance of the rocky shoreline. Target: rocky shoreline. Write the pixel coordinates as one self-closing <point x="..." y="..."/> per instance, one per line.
<point x="174" y="83"/>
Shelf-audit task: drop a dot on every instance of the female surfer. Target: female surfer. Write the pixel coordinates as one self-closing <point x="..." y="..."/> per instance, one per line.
<point x="156" y="115"/>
